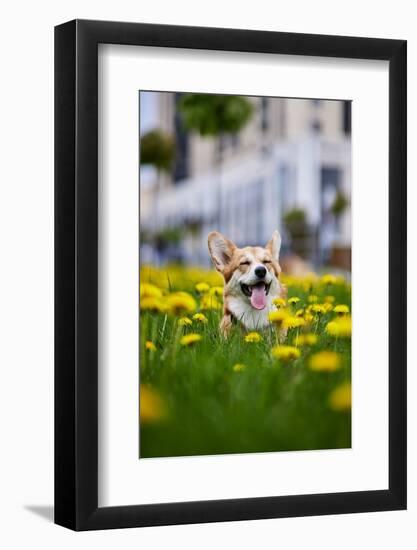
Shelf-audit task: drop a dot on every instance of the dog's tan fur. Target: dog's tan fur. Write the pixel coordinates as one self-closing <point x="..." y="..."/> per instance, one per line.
<point x="237" y="265"/>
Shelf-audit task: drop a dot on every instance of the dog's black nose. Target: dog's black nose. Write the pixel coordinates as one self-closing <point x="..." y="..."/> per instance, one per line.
<point x="260" y="271"/>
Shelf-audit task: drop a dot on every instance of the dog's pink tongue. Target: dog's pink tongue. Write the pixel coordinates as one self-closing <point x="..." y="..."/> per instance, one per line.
<point x="258" y="298"/>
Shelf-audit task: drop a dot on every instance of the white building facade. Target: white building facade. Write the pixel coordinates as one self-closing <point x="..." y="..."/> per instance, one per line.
<point x="294" y="154"/>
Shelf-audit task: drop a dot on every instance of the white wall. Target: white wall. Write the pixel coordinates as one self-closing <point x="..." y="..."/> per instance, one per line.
<point x="26" y="301"/>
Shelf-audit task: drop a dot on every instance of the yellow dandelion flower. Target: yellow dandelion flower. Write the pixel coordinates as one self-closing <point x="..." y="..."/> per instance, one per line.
<point x="239" y="367"/>
<point x="308" y="339"/>
<point x="341" y="309"/>
<point x="328" y="279"/>
<point x="149" y="291"/>
<point x="299" y="313"/>
<point x="200" y="317"/>
<point x="189" y="339"/>
<point x="294" y="300"/>
<point x="279" y="302"/>
<point x="329" y="299"/>
<point x="285" y="353"/>
<point x="321" y="308"/>
<point x="150" y="346"/>
<point x="307" y="282"/>
<point x="209" y="301"/>
<point x="277" y="316"/>
<point x="313" y="298"/>
<point x="202" y="287"/>
<point x="341" y="397"/>
<point x="308" y="318"/>
<point x="327" y="361"/>
<point x="151" y="406"/>
<point x="253" y="337"/>
<point x="151" y="303"/>
<point x="293" y="322"/>
<point x="215" y="279"/>
<point x="180" y="302"/>
<point x="185" y="322"/>
<point x="216" y="291"/>
<point x="318" y="308"/>
<point x="341" y="327"/>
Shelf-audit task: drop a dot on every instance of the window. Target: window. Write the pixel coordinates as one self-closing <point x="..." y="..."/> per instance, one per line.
<point x="181" y="166"/>
<point x="264" y="114"/>
<point x="347" y="117"/>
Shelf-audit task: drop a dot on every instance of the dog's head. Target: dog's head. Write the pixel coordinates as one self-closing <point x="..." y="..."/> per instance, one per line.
<point x="250" y="273"/>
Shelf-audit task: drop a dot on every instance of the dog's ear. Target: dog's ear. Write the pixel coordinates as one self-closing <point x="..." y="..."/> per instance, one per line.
<point x="274" y="245"/>
<point x="221" y="250"/>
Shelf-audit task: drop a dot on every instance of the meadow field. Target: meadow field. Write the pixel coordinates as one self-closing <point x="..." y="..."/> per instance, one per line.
<point x="254" y="392"/>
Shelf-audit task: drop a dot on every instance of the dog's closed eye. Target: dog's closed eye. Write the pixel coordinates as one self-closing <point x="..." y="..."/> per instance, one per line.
<point x="244" y="263"/>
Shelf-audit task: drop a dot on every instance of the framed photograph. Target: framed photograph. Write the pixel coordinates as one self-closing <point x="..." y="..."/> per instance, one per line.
<point x="230" y="252"/>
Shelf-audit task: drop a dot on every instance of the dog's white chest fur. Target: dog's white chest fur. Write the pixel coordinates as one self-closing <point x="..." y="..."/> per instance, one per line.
<point x="252" y="319"/>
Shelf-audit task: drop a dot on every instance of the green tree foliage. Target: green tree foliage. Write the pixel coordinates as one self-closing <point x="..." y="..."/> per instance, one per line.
<point x="157" y="149"/>
<point x="296" y="216"/>
<point x="212" y="115"/>
<point x="339" y="205"/>
<point x="295" y="221"/>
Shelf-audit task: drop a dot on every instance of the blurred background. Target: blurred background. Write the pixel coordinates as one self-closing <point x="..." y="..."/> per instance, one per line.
<point x="245" y="166"/>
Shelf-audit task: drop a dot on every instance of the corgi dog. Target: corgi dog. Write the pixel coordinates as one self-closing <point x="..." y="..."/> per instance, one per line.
<point x="251" y="280"/>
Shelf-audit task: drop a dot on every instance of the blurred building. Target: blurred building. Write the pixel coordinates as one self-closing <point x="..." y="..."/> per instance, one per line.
<point x="293" y="155"/>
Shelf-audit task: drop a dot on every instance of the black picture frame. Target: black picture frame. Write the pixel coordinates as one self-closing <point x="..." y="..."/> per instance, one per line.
<point x="76" y="272"/>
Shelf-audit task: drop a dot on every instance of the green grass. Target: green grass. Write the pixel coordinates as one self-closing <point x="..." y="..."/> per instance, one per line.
<point x="208" y="408"/>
